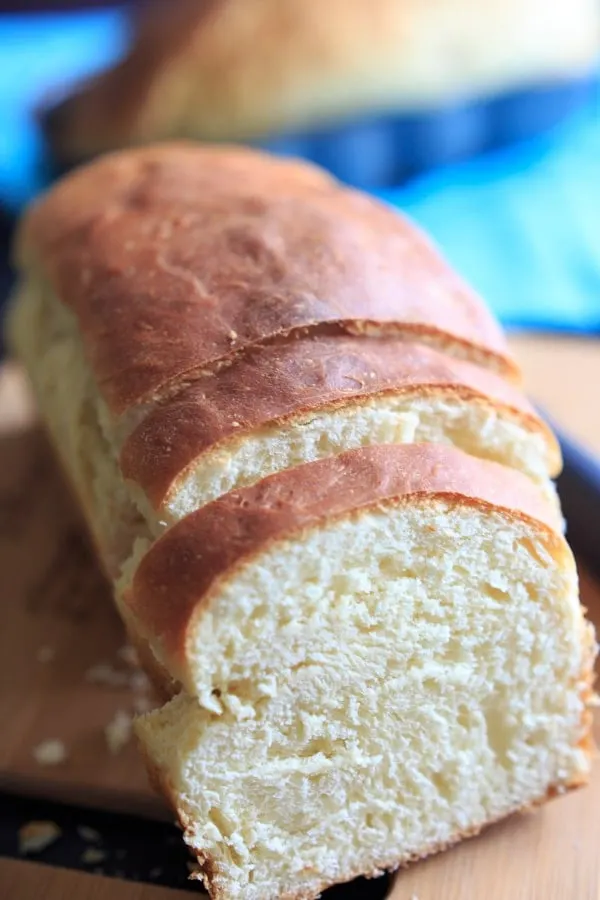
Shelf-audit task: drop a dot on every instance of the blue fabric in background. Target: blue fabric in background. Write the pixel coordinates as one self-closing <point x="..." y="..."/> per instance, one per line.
<point x="40" y="55"/>
<point x="522" y="225"/>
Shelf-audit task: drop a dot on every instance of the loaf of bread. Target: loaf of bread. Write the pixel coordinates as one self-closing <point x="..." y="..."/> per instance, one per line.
<point x="241" y="69"/>
<point x="301" y="449"/>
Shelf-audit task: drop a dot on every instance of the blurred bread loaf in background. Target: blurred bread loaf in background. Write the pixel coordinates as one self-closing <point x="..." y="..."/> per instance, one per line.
<point x="248" y="70"/>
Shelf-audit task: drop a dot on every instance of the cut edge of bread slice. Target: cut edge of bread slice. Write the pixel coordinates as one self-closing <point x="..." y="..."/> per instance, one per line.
<point x="278" y="406"/>
<point x="373" y="682"/>
<point x="188" y="563"/>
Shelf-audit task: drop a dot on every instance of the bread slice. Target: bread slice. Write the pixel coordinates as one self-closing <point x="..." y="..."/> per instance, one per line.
<point x="271" y="408"/>
<point x="278" y="406"/>
<point x="175" y="258"/>
<point x="383" y="651"/>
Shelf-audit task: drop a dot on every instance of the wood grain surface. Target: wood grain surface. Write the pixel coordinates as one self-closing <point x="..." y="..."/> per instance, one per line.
<point x="54" y="601"/>
<point x="21" y="880"/>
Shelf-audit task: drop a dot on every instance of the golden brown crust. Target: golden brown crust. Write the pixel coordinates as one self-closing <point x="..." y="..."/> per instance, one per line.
<point x="174" y="579"/>
<point x="219" y="69"/>
<point x="176" y="257"/>
<point x="285" y="382"/>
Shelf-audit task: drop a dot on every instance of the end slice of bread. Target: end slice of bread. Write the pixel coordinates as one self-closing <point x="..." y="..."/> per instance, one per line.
<point x="373" y="672"/>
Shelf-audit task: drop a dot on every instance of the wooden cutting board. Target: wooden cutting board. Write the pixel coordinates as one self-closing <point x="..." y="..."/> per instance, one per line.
<point x="55" y="603"/>
<point x="32" y="881"/>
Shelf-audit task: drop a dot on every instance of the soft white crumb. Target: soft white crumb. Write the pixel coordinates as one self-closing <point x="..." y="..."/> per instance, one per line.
<point x="46" y="654"/>
<point x="89" y="834"/>
<point x="36" y="836"/>
<point x="91" y="856"/>
<point x="50" y="753"/>
<point x="118" y="731"/>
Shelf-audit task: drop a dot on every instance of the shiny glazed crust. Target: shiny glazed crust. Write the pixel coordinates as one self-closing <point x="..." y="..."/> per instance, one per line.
<point x="177" y="257"/>
<point x="175" y="578"/>
<point x="280" y="383"/>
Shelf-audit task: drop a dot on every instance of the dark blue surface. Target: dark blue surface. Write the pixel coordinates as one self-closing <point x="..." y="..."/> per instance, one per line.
<point x="39" y="55"/>
<point x="380" y="152"/>
<point x="522" y="224"/>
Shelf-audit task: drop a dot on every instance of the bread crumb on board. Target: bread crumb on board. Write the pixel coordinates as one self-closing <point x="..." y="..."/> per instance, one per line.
<point x="118" y="731"/>
<point x="35" y="836"/>
<point x="139" y="681"/>
<point x="89" y="834"/>
<point x="91" y="856"/>
<point x="51" y="752"/>
<point x="46" y="654"/>
<point x="142" y="704"/>
<point x="106" y="674"/>
<point x="129" y="656"/>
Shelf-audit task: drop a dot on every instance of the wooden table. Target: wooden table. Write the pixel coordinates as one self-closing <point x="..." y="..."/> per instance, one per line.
<point x="33" y="881"/>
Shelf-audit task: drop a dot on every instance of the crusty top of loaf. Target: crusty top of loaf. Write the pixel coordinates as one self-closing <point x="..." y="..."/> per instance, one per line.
<point x="175" y="578"/>
<point x="231" y="70"/>
<point x="279" y="382"/>
<point x="176" y="257"/>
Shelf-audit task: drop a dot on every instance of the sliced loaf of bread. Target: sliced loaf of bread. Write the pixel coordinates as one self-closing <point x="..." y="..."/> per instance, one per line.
<point x="326" y="510"/>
